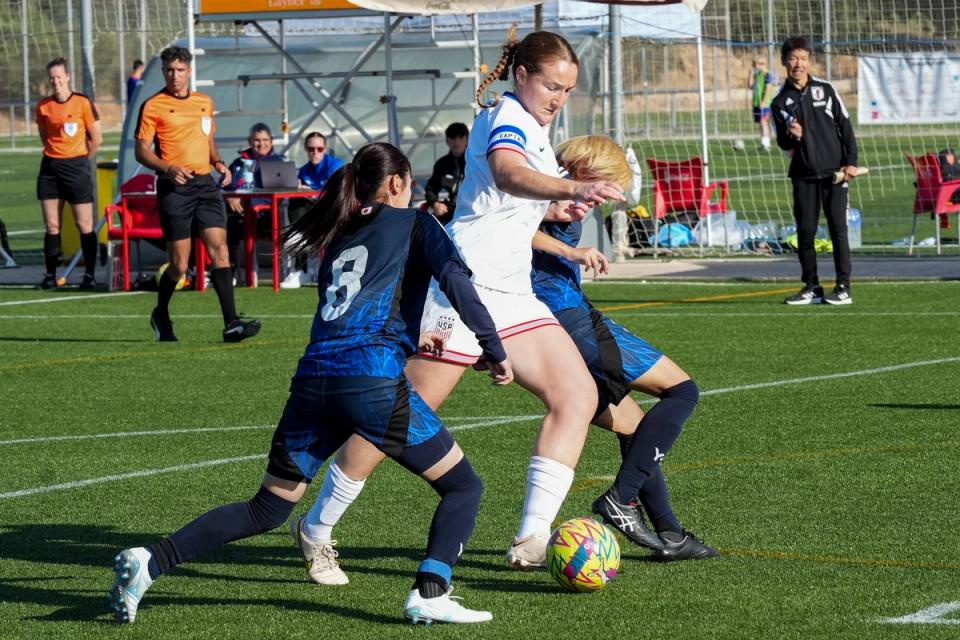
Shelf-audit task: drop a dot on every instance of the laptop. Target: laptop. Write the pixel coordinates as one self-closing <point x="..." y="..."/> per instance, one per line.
<point x="278" y="174"/>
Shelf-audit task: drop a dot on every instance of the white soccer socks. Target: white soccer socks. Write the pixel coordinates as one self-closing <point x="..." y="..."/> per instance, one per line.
<point x="336" y="495"/>
<point x="548" y="482"/>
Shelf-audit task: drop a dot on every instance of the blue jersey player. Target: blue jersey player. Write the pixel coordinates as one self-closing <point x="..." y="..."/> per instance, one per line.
<point x="619" y="362"/>
<point x="377" y="264"/>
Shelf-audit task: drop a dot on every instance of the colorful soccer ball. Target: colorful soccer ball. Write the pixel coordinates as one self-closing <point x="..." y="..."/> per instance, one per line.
<point x="583" y="555"/>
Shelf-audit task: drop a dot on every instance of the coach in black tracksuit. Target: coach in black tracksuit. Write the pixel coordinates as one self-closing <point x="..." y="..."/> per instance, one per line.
<point x="813" y="125"/>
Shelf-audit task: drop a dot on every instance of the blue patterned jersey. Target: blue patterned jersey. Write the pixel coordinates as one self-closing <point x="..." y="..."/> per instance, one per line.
<point x="556" y="280"/>
<point x="373" y="281"/>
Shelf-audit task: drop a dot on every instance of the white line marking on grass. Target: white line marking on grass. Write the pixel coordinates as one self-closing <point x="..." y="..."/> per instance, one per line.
<point x="930" y="615"/>
<point x="92" y="296"/>
<point x="139" y="317"/>
<point x="143" y="473"/>
<point x="829" y="376"/>
<point x="472" y="423"/>
<point x="131" y="434"/>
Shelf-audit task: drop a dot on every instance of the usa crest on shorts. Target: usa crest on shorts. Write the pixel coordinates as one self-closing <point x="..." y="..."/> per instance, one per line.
<point x="206" y="122"/>
<point x="70" y="128"/>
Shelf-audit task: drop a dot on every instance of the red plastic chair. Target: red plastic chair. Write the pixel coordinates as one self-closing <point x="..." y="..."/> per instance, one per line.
<point x="933" y="194"/>
<point x="139" y="220"/>
<point x="678" y="188"/>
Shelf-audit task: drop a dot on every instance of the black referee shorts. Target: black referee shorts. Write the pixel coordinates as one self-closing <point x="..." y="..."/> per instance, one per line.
<point x="67" y="179"/>
<point x="185" y="208"/>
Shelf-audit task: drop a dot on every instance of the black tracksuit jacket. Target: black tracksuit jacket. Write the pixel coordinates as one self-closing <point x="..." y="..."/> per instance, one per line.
<point x="828" y="141"/>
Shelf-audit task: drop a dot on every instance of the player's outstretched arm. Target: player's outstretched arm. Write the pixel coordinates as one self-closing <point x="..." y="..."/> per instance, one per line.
<point x="589" y="257"/>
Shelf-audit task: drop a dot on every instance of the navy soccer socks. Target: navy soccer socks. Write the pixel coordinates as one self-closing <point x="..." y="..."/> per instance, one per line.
<point x="453" y="522"/>
<point x="655" y="435"/>
<point x="264" y="512"/>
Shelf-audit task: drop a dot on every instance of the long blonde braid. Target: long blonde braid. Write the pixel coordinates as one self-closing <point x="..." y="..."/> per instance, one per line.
<point x="502" y="70"/>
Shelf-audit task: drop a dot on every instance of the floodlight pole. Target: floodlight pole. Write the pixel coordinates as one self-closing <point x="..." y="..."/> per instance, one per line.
<point x="616" y="75"/>
<point x="770" y="42"/>
<point x="25" y="51"/>
<point x="475" y="24"/>
<point x="70" y="43"/>
<point x="827" y="36"/>
<point x="192" y="45"/>
<point x="393" y="126"/>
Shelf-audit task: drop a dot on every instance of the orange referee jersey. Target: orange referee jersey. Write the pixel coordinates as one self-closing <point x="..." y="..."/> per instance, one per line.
<point x="65" y="125"/>
<point x="180" y="128"/>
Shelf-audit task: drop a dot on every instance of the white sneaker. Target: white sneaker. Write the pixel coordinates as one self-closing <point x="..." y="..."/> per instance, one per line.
<point x="320" y="558"/>
<point x="529" y="553"/>
<point x="131" y="582"/>
<point x="445" y="608"/>
<point x="294" y="280"/>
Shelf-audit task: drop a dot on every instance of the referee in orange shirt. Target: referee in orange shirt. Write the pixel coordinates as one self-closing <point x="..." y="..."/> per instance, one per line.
<point x="69" y="127"/>
<point x="175" y="138"/>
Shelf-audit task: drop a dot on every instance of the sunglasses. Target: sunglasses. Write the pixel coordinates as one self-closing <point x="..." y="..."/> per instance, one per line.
<point x="317" y="149"/>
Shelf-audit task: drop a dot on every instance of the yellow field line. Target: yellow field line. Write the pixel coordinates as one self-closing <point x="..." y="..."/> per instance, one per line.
<point x="728" y="296"/>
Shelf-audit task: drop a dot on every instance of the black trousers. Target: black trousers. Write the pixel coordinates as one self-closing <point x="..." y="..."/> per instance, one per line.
<point x="809" y="196"/>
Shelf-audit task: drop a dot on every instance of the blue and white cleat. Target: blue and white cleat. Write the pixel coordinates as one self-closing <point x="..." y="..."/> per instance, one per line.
<point x="445" y="608"/>
<point x="131" y="582"/>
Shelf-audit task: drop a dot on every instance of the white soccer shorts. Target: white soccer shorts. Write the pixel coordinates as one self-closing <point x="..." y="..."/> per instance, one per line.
<point x="512" y="313"/>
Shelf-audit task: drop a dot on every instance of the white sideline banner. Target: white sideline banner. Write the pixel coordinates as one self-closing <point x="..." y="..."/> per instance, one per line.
<point x="908" y="88"/>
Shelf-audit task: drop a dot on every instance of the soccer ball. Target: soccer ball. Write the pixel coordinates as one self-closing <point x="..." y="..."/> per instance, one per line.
<point x="183" y="278"/>
<point x="739" y="145"/>
<point x="583" y="555"/>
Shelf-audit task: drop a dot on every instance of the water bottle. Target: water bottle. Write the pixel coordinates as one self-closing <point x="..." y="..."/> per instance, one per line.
<point x="246" y="176"/>
<point x="853" y="228"/>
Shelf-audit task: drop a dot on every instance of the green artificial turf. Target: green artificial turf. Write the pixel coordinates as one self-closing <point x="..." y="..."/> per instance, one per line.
<point x="832" y="499"/>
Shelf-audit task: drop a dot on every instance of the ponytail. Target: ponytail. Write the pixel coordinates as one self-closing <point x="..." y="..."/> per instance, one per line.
<point x="502" y="70"/>
<point x="352" y="184"/>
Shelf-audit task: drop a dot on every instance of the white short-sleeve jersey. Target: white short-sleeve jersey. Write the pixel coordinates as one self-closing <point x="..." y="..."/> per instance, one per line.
<point x="491" y="229"/>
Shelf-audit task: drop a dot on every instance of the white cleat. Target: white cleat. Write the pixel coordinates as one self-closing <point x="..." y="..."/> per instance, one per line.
<point x="131" y="582"/>
<point x="295" y="280"/>
<point x="320" y="558"/>
<point x="529" y="553"/>
<point x="445" y="608"/>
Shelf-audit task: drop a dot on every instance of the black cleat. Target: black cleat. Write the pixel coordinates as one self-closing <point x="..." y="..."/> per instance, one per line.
<point x="810" y="295"/>
<point x="89" y="283"/>
<point x="682" y="546"/>
<point x="839" y="295"/>
<point x="241" y="329"/>
<point x="625" y="518"/>
<point x="48" y="282"/>
<point x="162" y="327"/>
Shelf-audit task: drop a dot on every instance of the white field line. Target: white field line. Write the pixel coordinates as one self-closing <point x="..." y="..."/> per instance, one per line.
<point x="824" y="313"/>
<point x="470" y="423"/>
<point x="709" y="392"/>
<point x="92" y="296"/>
<point x="775" y="176"/>
<point x="145" y="473"/>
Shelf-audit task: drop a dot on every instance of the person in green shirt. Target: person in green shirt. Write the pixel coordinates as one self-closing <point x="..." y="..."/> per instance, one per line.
<point x="763" y="83"/>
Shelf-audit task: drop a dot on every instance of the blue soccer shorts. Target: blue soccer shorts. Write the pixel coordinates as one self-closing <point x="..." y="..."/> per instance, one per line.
<point x="321" y="413"/>
<point x="614" y="356"/>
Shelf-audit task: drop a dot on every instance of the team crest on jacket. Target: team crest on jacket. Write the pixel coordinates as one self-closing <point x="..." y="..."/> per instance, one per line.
<point x="817" y="93"/>
<point x="206" y="122"/>
<point x="70" y="128"/>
